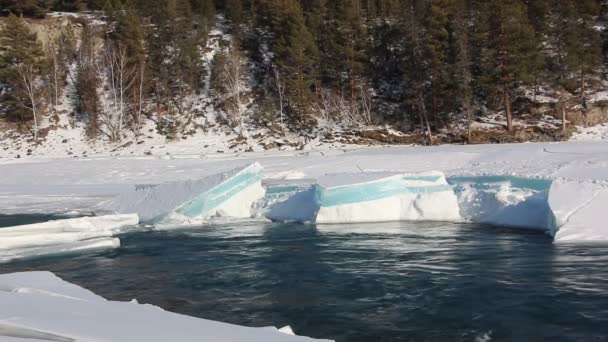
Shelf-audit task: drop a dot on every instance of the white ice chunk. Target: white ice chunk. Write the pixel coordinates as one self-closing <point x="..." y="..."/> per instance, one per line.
<point x="63" y="236"/>
<point x="77" y="315"/>
<point x="580" y="211"/>
<point x="108" y="223"/>
<point x="227" y="194"/>
<point x="67" y="248"/>
<point x="383" y="197"/>
<point x="291" y="203"/>
<point x="504" y="201"/>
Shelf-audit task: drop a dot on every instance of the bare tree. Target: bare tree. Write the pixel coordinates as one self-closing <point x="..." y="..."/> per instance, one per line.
<point x="140" y="99"/>
<point x="365" y="111"/>
<point x="280" y="84"/>
<point x="562" y="108"/>
<point x="55" y="72"/>
<point x="119" y="78"/>
<point x="233" y="72"/>
<point x="27" y="75"/>
<point x="325" y="107"/>
<point x="424" y="119"/>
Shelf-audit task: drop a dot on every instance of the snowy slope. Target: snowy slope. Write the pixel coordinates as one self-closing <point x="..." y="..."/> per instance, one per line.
<point x="594" y="133"/>
<point x="40" y="306"/>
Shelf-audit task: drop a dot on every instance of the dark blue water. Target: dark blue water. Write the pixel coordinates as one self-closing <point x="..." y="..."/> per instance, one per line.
<point x="403" y="282"/>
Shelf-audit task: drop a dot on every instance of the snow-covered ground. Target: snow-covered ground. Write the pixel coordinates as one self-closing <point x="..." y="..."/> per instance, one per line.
<point x="594" y="133"/>
<point x="561" y="188"/>
<point x="534" y="189"/>
<point x="38" y="306"/>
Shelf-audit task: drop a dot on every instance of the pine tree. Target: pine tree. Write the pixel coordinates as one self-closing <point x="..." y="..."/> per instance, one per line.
<point x="437" y="45"/>
<point x="416" y="70"/>
<point x="28" y="8"/>
<point x="295" y="54"/>
<point x="129" y="32"/>
<point x="86" y="80"/>
<point x="463" y="76"/>
<point x="509" y="50"/>
<point x="68" y="5"/>
<point x="21" y="62"/>
<point x="205" y="9"/>
<point x="234" y="12"/>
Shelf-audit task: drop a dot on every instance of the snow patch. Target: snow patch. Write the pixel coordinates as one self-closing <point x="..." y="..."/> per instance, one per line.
<point x="78" y="315"/>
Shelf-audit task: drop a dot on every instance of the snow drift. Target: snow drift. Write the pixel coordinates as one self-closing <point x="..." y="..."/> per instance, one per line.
<point x="226" y="194"/>
<point x="63" y="236"/>
<point x="40" y="306"/>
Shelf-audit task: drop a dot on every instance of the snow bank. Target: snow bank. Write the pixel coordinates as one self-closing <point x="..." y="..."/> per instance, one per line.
<point x="63" y="236"/>
<point x="504" y="201"/>
<point x="580" y="211"/>
<point x="40" y="306"/>
<point x="227" y="194"/>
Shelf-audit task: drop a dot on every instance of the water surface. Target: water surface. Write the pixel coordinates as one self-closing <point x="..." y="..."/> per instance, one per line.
<point x="401" y="282"/>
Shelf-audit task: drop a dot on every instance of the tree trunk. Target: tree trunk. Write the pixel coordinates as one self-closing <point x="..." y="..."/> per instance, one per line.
<point x="35" y="117"/>
<point x="507" y="100"/>
<point x="563" y="109"/>
<point x="422" y="108"/>
<point x="582" y="86"/>
<point x="468" y="112"/>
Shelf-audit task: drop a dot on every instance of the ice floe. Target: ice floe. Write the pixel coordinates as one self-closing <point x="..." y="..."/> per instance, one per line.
<point x="580" y="211"/>
<point x="378" y="197"/>
<point x="63" y="236"/>
<point x="518" y="185"/>
<point x="41" y="306"/>
<point x="225" y="194"/>
<point x="504" y="201"/>
<point x="367" y="197"/>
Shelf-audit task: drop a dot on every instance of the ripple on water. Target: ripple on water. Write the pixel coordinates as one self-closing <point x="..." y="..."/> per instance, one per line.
<point x="373" y="282"/>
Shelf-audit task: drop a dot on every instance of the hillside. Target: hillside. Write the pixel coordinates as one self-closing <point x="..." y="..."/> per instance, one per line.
<point x="205" y="77"/>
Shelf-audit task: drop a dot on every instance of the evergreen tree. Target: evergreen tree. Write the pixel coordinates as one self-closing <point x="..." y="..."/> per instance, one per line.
<point x="85" y="96"/>
<point x="205" y="9"/>
<point x="20" y="53"/>
<point x="416" y="70"/>
<point x="295" y="54"/>
<point x="28" y="8"/>
<point x="509" y="51"/>
<point x="234" y="12"/>
<point x="128" y="32"/>
<point x="437" y="45"/>
<point x="68" y="5"/>
<point x="463" y="75"/>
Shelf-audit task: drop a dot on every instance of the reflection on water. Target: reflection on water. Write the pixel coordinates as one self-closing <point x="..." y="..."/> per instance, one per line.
<point x="403" y="282"/>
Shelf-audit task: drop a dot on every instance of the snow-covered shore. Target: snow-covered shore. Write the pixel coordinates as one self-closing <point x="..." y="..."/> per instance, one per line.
<point x="509" y="194"/>
<point x="39" y="306"/>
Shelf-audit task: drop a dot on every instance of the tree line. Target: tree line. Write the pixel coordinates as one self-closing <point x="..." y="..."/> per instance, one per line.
<point x="419" y="64"/>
